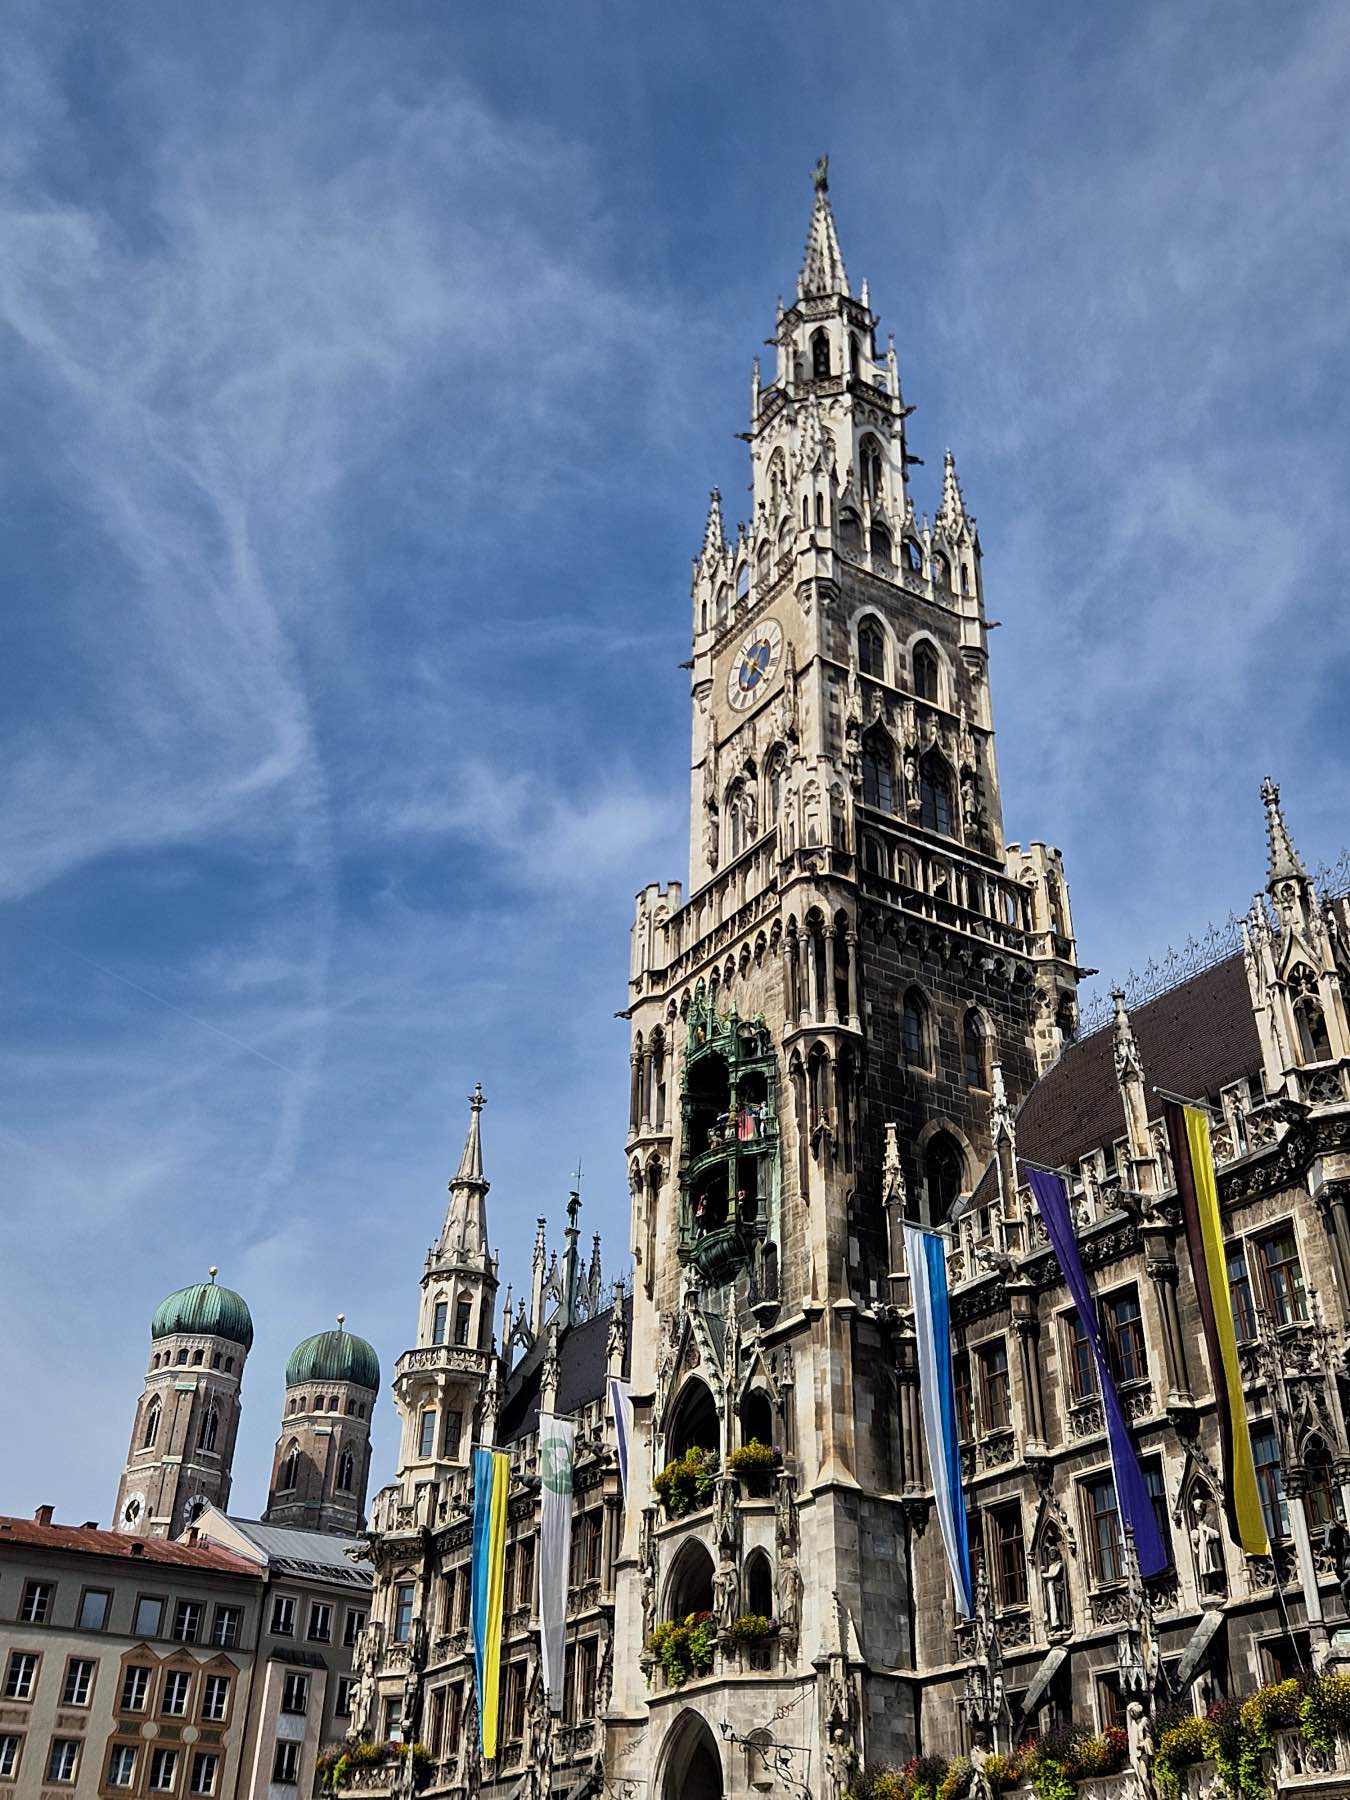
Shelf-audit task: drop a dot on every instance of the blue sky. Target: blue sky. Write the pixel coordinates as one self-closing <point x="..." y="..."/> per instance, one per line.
<point x="365" y="373"/>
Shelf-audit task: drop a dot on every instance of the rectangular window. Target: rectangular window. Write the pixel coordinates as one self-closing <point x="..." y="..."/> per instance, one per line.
<point x="187" y="1621"/>
<point x="215" y="1697"/>
<point x="163" y="1771"/>
<point x="435" y="1735"/>
<point x="1282" y="1277"/>
<point x="426" y="1443"/>
<point x="515" y="1701"/>
<point x="456" y="1718"/>
<point x="1009" y="1556"/>
<point x="94" y="1605"/>
<point x="1157" y="1499"/>
<point x="173" y="1699"/>
<point x="353" y="1625"/>
<point x="1240" y="1288"/>
<point x="1110" y="1706"/>
<point x="965" y="1411"/>
<point x="225" y="1626"/>
<point x="295" y="1694"/>
<point x="20" y="1675"/>
<point x="995" y="1393"/>
<point x="10" y="1745"/>
<point x="451" y="1433"/>
<point x="1270" y="1481"/>
<point x="1082" y="1363"/>
<point x="149" y="1617"/>
<point x="588" y="1662"/>
<point x="63" y="1759"/>
<point x="525" y="1573"/>
<point x="342" y="1706"/>
<point x="283" y="1616"/>
<point x="135" y="1688"/>
<point x="36" y="1605"/>
<point x="320" y="1622"/>
<point x="1125" y="1337"/>
<point x="393" y="1719"/>
<point x="122" y="1766"/>
<point x="286" y="1761"/>
<point x="463" y="1318"/>
<point x="205" y="1773"/>
<point x="79" y="1682"/>
<point x="403" y="1612"/>
<point x="592" y="1539"/>
<point x="438" y="1321"/>
<point x="1103" y="1533"/>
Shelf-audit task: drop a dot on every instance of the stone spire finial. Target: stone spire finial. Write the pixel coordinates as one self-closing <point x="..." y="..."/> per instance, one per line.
<point x="1285" y="863"/>
<point x="952" y="512"/>
<point x="1126" y="1045"/>
<point x="714" y="534"/>
<point x="892" y="1174"/>
<point x="471" y="1161"/>
<point x="823" y="265"/>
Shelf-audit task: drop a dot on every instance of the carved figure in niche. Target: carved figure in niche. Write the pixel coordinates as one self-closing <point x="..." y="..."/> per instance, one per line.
<point x="789" y="1600"/>
<point x="786" y="1517"/>
<point x="1207" y="1544"/>
<point x="1054" y="1588"/>
<point x="981" y="1788"/>
<point x="966" y="742"/>
<point x="911" y="782"/>
<point x="970" y="802"/>
<point x="1139" y="1742"/>
<point x="647" y="1570"/>
<point x="725" y="1586"/>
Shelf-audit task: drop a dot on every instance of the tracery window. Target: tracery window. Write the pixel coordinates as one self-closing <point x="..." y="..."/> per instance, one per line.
<point x="914" y="1029"/>
<point x="871" y="650"/>
<point x="878" y="772"/>
<point x="935" y="795"/>
<point x="869" y="462"/>
<point x="944" y="1168"/>
<point x="820" y="355"/>
<point x="151" y="1431"/>
<point x="925" y="673"/>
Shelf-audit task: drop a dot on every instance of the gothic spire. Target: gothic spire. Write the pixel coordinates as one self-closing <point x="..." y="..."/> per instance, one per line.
<point x="823" y="265"/>
<point x="1285" y="863"/>
<point x="465" y="1233"/>
<point x="714" y="536"/>
<point x="952" y="512"/>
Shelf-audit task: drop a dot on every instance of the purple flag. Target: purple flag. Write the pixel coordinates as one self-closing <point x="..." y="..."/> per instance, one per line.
<point x="1136" y="1508"/>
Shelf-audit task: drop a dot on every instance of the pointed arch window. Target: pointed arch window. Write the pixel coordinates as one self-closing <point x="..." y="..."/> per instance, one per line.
<point x="935" y="795"/>
<point x="915" y="1035"/>
<point x="879" y="542"/>
<point x="869" y="463"/>
<point x="925" y="673"/>
<point x="1319" y="1494"/>
<point x="776" y="767"/>
<point x="850" y="532"/>
<point x="1313" y="1042"/>
<point x="944" y="1168"/>
<point x="853" y="353"/>
<point x="973" y="1051"/>
<point x="871" y="650"/>
<point x="913" y="557"/>
<point x="820" y="355"/>
<point x="289" y="1468"/>
<point x="210" y="1427"/>
<point x="151" y="1432"/>
<point x="346" y="1474"/>
<point x="878" y="772"/>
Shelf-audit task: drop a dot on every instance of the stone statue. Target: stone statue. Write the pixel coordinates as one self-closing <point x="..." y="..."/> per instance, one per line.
<point x="1139" y="1739"/>
<point x="981" y="1788"/>
<point x="790" y="1600"/>
<point x="840" y="1763"/>
<point x="1053" y="1591"/>
<point x="725" y="1586"/>
<point x="911" y="782"/>
<point x="1207" y="1544"/>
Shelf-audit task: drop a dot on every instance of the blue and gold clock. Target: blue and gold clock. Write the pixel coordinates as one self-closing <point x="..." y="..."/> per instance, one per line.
<point x="754" y="665"/>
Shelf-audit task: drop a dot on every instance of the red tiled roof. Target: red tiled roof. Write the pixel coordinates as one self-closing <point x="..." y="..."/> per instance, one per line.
<point x="88" y="1540"/>
<point x="1193" y="1040"/>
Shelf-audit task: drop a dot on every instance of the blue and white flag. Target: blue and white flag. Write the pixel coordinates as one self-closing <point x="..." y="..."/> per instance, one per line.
<point x="621" y="1405"/>
<point x="926" y="1255"/>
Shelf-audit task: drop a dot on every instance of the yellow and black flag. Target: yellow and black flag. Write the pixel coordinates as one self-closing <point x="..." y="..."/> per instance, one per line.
<point x="1197" y="1191"/>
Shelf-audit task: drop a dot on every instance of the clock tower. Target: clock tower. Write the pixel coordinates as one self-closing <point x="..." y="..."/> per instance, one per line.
<point x="820" y="1027"/>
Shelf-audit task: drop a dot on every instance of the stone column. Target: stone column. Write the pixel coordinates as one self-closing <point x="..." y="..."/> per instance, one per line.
<point x="854" y="1019"/>
<point x="1027" y="1328"/>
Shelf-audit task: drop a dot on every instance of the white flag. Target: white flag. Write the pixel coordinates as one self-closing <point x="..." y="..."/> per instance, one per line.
<point x="555" y="1545"/>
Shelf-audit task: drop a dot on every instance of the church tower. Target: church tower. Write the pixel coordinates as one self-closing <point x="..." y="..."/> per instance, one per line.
<point x="441" y="1381"/>
<point x="817" y="1032"/>
<point x="187" y="1419"/>
<point x="322" y="1459"/>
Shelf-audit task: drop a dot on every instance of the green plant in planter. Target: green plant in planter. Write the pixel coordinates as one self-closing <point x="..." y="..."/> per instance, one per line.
<point x="753" y="1458"/>
<point x="1181" y="1745"/>
<point x="687" y="1481"/>
<point x="683" y="1647"/>
<point x="1324" y="1711"/>
<point x="751" y="1628"/>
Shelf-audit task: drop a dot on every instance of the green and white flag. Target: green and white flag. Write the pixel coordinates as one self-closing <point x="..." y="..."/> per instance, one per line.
<point x="556" y="1438"/>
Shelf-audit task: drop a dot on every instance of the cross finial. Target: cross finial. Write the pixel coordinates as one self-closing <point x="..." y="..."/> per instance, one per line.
<point x="476" y="1100"/>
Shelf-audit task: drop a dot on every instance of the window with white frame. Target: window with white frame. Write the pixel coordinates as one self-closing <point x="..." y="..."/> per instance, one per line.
<point x="286" y="1761"/>
<point x="135" y="1688"/>
<point x="20" y="1675"/>
<point x="173" y="1700"/>
<point x="122" y="1766"/>
<point x="63" y="1759"/>
<point x="163" y="1771"/>
<point x="216" y="1697"/>
<point x="205" y="1773"/>
<point x="295" y="1694"/>
<point x="79" y="1681"/>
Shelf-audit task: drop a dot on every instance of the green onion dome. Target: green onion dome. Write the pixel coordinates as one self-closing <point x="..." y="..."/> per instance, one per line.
<point x="205" y="1310"/>
<point x="334" y="1356"/>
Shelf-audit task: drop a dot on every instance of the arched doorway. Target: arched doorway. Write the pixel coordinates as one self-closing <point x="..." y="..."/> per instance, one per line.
<point x="693" y="1763"/>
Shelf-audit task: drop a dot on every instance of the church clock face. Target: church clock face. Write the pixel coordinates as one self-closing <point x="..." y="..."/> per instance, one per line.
<point x="754" y="665"/>
<point x="132" y="1509"/>
<point x="193" y="1508"/>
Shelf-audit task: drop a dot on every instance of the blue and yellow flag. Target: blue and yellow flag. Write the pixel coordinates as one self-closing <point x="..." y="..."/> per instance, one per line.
<point x="491" y="1479"/>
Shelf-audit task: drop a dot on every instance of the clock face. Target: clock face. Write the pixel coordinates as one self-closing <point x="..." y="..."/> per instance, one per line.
<point x="131" y="1510"/>
<point x="754" y="665"/>
<point x="193" y="1507"/>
